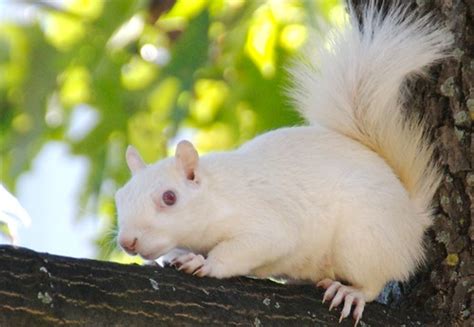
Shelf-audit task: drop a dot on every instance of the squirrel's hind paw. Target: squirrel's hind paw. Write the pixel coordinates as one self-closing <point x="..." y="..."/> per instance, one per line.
<point x="338" y="292"/>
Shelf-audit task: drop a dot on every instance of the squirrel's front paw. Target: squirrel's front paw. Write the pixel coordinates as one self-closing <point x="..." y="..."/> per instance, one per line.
<point x="211" y="268"/>
<point x="204" y="270"/>
<point x="188" y="262"/>
<point x="197" y="265"/>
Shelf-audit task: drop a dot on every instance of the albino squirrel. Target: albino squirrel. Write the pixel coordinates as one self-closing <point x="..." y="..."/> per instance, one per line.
<point x="346" y="198"/>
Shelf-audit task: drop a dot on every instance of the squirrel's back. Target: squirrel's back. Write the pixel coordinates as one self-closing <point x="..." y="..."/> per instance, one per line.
<point x="354" y="87"/>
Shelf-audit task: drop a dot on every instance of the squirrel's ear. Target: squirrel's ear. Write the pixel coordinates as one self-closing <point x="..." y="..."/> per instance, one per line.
<point x="134" y="161"/>
<point x="187" y="159"/>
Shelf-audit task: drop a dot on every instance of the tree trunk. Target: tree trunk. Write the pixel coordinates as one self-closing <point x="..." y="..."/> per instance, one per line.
<point x="444" y="286"/>
<point x="44" y="290"/>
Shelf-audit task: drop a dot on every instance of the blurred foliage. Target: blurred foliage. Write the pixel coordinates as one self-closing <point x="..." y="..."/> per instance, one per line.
<point x="146" y="71"/>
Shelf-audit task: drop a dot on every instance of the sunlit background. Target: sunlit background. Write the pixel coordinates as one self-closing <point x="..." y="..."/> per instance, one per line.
<point x="81" y="79"/>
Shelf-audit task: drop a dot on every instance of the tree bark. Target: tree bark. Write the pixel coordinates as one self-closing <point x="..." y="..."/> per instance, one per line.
<point x="38" y="289"/>
<point x="447" y="101"/>
<point x="445" y="284"/>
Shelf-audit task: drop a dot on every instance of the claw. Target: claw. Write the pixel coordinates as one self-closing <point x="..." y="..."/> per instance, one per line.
<point x="331" y="290"/>
<point x="179" y="261"/>
<point x="346" y="310"/>
<point x="203" y="271"/>
<point x="198" y="272"/>
<point x="189" y="262"/>
<point x="174" y="264"/>
<point x="338" y="293"/>
<point x="325" y="283"/>
<point x="358" y="310"/>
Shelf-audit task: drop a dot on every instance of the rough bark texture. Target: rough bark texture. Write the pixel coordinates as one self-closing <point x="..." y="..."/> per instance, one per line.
<point x="45" y="290"/>
<point x="444" y="286"/>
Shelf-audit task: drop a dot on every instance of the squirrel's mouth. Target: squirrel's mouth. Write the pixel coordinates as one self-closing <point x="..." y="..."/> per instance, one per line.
<point x="133" y="253"/>
<point x="155" y="253"/>
<point x="149" y="256"/>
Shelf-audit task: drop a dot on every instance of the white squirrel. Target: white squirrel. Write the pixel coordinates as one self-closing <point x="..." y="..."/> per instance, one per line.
<point x="346" y="198"/>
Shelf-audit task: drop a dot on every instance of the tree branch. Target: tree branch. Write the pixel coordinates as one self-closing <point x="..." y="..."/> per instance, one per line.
<point x="39" y="289"/>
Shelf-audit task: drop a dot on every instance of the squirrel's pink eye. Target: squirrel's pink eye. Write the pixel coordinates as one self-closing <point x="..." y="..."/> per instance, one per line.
<point x="169" y="198"/>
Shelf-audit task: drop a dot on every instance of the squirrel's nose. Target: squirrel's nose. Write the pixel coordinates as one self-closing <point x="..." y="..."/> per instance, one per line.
<point x="129" y="244"/>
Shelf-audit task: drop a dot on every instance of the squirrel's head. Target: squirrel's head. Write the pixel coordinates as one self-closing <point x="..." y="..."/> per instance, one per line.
<point x="157" y="207"/>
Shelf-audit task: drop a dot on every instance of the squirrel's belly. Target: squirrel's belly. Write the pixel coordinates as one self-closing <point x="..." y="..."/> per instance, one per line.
<point x="309" y="269"/>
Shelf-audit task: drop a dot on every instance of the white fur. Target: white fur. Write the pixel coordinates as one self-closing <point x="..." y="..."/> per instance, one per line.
<point x="345" y="198"/>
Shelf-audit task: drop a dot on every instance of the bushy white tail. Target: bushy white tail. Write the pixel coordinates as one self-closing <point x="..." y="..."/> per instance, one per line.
<point x="353" y="86"/>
